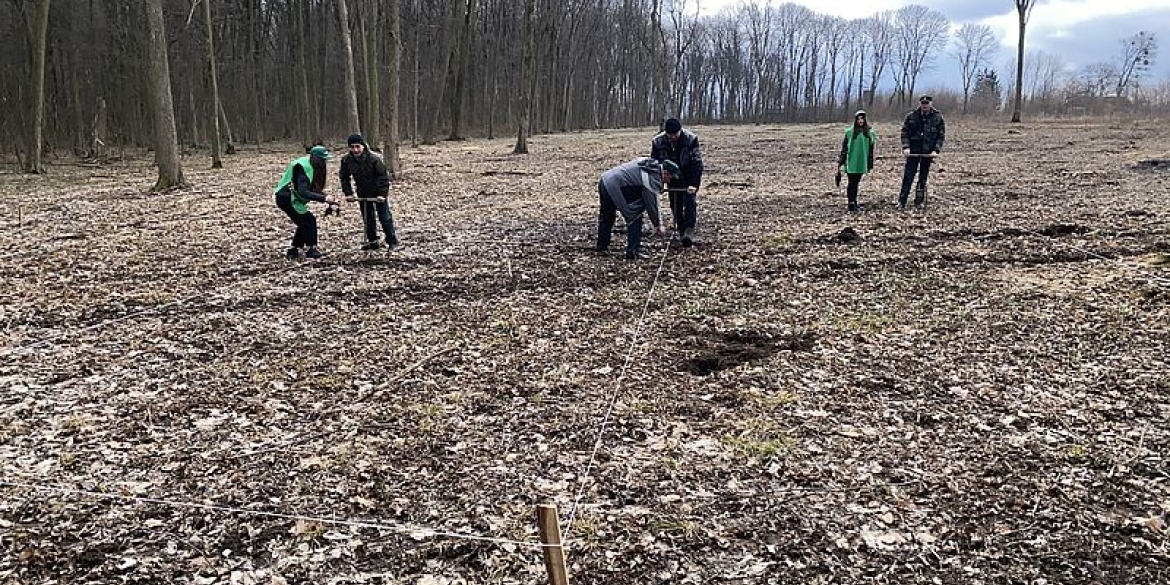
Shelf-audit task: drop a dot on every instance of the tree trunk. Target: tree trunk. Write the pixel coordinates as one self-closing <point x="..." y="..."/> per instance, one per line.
<point x="417" y="88"/>
<point x="97" y="146"/>
<point x="525" y="75"/>
<point x="166" y="142"/>
<point x="461" y="73"/>
<point x="369" y="33"/>
<point x="350" y="87"/>
<point x="303" y="75"/>
<point x="40" y="30"/>
<point x="440" y="74"/>
<point x="227" y="130"/>
<point x="216" y="163"/>
<point x="394" y="55"/>
<point x="1020" y="70"/>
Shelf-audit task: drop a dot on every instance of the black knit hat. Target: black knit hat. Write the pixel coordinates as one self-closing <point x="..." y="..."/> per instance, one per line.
<point x="672" y="125"/>
<point x="355" y="139"/>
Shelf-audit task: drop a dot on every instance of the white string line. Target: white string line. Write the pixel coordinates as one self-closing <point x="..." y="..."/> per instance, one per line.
<point x="582" y="484"/>
<point x="1154" y="278"/>
<point x="412" y="530"/>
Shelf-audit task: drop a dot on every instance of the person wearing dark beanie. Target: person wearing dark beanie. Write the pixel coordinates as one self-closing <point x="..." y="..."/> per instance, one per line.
<point x="363" y="172"/>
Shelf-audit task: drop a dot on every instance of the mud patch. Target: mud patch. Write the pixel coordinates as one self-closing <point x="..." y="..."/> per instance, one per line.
<point x="715" y="351"/>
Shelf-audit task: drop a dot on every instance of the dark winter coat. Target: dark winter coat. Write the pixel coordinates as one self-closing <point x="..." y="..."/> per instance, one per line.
<point x="925" y="132"/>
<point x="367" y="172"/>
<point x="685" y="152"/>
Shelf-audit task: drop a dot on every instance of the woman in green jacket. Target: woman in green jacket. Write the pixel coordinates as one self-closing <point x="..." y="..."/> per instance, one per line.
<point x="856" y="155"/>
<point x="301" y="183"/>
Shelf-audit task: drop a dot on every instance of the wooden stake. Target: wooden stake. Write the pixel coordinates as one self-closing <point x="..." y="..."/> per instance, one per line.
<point x="550" y="537"/>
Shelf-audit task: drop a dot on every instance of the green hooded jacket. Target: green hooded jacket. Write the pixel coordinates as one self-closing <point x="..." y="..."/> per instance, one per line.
<point x="857" y="152"/>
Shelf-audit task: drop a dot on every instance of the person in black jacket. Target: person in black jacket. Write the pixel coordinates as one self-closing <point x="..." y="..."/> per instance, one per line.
<point x="923" y="133"/>
<point x="681" y="147"/>
<point x="302" y="181"/>
<point x="366" y="170"/>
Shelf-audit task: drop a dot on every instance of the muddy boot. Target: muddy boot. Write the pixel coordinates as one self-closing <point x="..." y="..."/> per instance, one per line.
<point x="688" y="237"/>
<point x="853" y="204"/>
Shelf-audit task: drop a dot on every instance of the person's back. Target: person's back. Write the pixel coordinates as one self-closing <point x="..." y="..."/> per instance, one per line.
<point x="632" y="189"/>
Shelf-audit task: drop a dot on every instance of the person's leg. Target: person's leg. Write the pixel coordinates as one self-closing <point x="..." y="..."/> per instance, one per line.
<point x="285" y="205"/>
<point x="634" y="227"/>
<point x="908" y="179"/>
<point x="634" y="237"/>
<point x="369" y="222"/>
<point x="605" y="219"/>
<point x="307" y="226"/>
<point x="851" y="190"/>
<point x="923" y="173"/>
<point x="386" y="218"/>
<point x="677" y="210"/>
<point x="690" y="211"/>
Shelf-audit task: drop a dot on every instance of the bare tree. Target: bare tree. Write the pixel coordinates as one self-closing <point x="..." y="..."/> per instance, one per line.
<point x="38" y="35"/>
<point x="393" y="78"/>
<point x="1024" y="12"/>
<point x="216" y="163"/>
<point x="919" y="30"/>
<point x="880" y="34"/>
<point x="368" y="30"/>
<point x="350" y="88"/>
<point x="465" y="8"/>
<point x="166" y="141"/>
<point x="683" y="33"/>
<point x="1043" y="74"/>
<point x="526" y="73"/>
<point x="973" y="47"/>
<point x="1138" y="54"/>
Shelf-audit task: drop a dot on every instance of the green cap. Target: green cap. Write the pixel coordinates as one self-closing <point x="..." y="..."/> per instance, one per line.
<point x="670" y="167"/>
<point x="320" y="151"/>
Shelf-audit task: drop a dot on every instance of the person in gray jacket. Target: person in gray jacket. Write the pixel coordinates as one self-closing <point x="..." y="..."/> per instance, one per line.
<point x="633" y="189"/>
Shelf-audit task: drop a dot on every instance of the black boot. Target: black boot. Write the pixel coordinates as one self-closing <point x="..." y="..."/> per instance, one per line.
<point x="920" y="197"/>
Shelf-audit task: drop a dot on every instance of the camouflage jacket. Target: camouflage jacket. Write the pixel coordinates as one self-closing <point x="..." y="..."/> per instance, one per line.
<point x="925" y="131"/>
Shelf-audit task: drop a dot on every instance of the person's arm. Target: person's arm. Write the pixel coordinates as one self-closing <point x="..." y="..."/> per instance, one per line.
<point x="654" y="150"/>
<point x="346" y="175"/>
<point x="651" y="189"/>
<point x="906" y="131"/>
<point x="844" y="150"/>
<point x="942" y="134"/>
<point x="304" y="188"/>
<point x="695" y="168"/>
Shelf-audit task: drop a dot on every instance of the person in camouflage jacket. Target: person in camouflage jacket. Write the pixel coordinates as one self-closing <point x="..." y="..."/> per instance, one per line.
<point x="923" y="133"/>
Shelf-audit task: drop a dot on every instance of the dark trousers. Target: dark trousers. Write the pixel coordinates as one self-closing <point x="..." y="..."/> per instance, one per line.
<point x="919" y="165"/>
<point x="684" y="209"/>
<point x="306" y="234"/>
<point x="374" y="213"/>
<point x="852" y="188"/>
<point x="607" y="216"/>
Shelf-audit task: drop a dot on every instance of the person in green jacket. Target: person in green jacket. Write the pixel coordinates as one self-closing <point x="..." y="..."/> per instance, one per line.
<point x="856" y="155"/>
<point x="302" y="182"/>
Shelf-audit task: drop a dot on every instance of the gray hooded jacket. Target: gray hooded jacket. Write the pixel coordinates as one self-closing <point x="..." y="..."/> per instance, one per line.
<point x="634" y="187"/>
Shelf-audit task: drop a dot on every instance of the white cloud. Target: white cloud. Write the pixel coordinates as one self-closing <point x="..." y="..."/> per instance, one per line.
<point x="1054" y="19"/>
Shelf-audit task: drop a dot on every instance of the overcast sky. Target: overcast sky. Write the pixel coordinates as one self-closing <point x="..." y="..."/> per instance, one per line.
<point x="1080" y="31"/>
